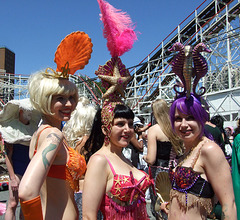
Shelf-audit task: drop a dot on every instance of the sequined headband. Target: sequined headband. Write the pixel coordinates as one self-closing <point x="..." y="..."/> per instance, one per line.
<point x="182" y="66"/>
<point x="115" y="77"/>
<point x="64" y="74"/>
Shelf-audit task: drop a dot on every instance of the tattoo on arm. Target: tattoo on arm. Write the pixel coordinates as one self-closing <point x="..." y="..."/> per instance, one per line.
<point x="53" y="136"/>
<point x="55" y="139"/>
<point x="44" y="154"/>
<point x="224" y="216"/>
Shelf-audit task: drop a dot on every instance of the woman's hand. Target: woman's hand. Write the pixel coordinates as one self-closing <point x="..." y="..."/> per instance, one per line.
<point x="162" y="206"/>
<point x="14" y="184"/>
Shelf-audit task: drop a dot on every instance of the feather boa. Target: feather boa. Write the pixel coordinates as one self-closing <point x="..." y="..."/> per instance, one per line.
<point x="118" y="29"/>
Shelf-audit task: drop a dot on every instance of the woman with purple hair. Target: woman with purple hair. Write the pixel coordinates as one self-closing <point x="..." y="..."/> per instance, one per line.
<point x="202" y="167"/>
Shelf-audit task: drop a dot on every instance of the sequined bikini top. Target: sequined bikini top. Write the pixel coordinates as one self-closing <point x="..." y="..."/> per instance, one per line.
<point x="127" y="188"/>
<point x="186" y="180"/>
<point x="72" y="170"/>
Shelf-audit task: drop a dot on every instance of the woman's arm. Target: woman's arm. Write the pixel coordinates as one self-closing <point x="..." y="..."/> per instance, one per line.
<point x="94" y="188"/>
<point x="138" y="144"/>
<point x="219" y="175"/>
<point x="9" y="164"/>
<point x="81" y="143"/>
<point x="50" y="142"/>
<point x="150" y="158"/>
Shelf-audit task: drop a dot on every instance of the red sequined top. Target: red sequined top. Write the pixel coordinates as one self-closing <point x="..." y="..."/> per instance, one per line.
<point x="126" y="199"/>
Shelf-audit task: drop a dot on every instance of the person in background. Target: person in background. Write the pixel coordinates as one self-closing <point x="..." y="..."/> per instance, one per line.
<point x="52" y="176"/>
<point x="219" y="122"/>
<point x="2" y="156"/>
<point x="216" y="133"/>
<point x="140" y="129"/>
<point x="137" y="145"/>
<point x="78" y="128"/>
<point x="18" y="121"/>
<point x="229" y="133"/>
<point x="77" y="131"/>
<point x="236" y="167"/>
<point x="163" y="145"/>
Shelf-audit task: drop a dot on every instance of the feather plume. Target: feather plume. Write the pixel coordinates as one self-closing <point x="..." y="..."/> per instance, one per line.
<point x="118" y="29"/>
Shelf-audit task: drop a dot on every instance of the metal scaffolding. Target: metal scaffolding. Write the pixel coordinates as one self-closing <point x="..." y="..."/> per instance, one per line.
<point x="215" y="23"/>
<point x="14" y="86"/>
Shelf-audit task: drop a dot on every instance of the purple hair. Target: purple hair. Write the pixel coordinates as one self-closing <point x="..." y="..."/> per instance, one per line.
<point x="191" y="106"/>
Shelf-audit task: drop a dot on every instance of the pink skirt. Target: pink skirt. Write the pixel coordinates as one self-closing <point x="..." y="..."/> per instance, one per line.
<point x="2" y="208"/>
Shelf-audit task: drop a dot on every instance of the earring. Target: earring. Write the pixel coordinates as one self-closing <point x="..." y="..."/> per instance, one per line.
<point x="106" y="140"/>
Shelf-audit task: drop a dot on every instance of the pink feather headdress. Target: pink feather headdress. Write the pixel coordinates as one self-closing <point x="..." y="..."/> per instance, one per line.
<point x="118" y="29"/>
<point x="119" y="32"/>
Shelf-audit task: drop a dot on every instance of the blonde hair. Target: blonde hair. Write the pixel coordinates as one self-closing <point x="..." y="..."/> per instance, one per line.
<point x="161" y="114"/>
<point x="42" y="88"/>
<point x="80" y="123"/>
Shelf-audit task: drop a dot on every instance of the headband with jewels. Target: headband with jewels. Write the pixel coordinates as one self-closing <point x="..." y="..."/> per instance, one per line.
<point x="72" y="54"/>
<point x="120" y="35"/>
<point x="189" y="65"/>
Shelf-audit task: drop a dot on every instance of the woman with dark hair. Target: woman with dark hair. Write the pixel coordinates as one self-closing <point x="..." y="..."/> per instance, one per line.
<point x="218" y="120"/>
<point x="195" y="180"/>
<point x="111" y="182"/>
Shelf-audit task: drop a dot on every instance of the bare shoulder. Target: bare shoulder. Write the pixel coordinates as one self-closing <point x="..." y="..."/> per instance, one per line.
<point x="212" y="152"/>
<point x="51" y="132"/>
<point x="49" y="135"/>
<point x="152" y="128"/>
<point x="97" y="161"/>
<point x="155" y="129"/>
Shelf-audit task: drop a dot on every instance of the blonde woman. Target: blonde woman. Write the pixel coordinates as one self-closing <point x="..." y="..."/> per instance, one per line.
<point x="78" y="128"/>
<point x="54" y="166"/>
<point x="77" y="131"/>
<point x="48" y="185"/>
<point x="163" y="144"/>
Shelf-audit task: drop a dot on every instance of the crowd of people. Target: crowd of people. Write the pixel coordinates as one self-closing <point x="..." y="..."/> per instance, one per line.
<point x="176" y="143"/>
<point x="83" y="161"/>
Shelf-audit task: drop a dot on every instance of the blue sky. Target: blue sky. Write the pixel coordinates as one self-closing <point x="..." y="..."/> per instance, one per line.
<point x="33" y="29"/>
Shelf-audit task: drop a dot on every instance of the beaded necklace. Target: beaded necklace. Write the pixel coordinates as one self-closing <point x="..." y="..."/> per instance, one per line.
<point x="187" y="155"/>
<point x="201" y="142"/>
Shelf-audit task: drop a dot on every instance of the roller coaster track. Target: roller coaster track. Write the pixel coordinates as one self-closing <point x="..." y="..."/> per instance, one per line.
<point x="214" y="22"/>
<point x="217" y="25"/>
<point x="14" y="86"/>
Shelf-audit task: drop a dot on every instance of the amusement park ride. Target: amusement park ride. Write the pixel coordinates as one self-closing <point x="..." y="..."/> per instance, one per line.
<point x="216" y="23"/>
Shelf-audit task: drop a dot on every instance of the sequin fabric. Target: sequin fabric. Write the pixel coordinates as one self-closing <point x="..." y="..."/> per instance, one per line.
<point x="188" y="187"/>
<point x="183" y="177"/>
<point x="126" y="199"/>
<point x="114" y="77"/>
<point x="76" y="167"/>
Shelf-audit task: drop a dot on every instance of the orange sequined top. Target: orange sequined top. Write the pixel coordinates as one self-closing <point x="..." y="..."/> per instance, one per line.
<point x="72" y="170"/>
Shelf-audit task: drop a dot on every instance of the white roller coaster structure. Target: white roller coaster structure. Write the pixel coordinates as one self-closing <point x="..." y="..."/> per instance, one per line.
<point x="216" y="23"/>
